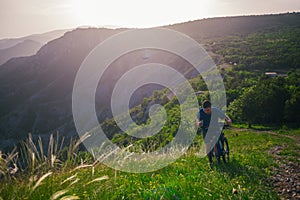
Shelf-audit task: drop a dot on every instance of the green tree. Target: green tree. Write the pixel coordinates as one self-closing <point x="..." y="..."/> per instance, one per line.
<point x="262" y="103"/>
<point x="292" y="106"/>
<point x="242" y="108"/>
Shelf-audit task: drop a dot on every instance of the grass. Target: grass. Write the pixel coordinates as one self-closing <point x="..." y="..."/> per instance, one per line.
<point x="190" y="177"/>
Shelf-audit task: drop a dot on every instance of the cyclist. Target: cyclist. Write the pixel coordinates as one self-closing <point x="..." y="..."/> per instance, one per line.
<point x="204" y="121"/>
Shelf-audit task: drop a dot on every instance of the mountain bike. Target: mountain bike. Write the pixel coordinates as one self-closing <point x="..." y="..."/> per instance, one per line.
<point x="223" y="148"/>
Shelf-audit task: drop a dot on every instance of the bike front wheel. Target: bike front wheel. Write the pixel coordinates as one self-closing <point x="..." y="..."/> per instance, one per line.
<point x="225" y="155"/>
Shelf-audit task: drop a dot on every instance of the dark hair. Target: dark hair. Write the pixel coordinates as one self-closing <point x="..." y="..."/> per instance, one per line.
<point x="206" y="104"/>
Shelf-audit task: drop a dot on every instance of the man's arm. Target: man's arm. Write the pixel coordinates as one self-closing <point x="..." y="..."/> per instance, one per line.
<point x="198" y="120"/>
<point x="199" y="123"/>
<point x="224" y="116"/>
<point x="228" y="120"/>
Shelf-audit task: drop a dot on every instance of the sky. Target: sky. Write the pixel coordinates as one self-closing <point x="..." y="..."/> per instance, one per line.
<point x="25" y="17"/>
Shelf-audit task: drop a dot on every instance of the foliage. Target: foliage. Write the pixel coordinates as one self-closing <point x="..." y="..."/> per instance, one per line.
<point x="275" y="48"/>
<point x="271" y="100"/>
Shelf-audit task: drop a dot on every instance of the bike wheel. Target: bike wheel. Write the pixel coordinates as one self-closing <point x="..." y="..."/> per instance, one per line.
<point x="225" y="155"/>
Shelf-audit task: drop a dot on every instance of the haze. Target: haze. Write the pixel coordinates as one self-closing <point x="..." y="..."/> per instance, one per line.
<point x="20" y="18"/>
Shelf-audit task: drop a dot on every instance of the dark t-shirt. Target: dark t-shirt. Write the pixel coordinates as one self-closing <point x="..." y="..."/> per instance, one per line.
<point x="217" y="114"/>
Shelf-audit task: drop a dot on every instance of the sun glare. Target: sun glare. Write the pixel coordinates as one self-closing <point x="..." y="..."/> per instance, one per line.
<point x="85" y="11"/>
<point x="139" y="13"/>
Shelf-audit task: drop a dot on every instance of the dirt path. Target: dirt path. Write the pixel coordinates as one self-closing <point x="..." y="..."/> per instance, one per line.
<point x="286" y="179"/>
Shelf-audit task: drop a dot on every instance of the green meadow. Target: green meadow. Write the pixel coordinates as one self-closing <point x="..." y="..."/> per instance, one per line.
<point x="78" y="176"/>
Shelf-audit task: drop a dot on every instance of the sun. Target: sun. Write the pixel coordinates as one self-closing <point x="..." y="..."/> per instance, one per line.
<point x="86" y="12"/>
<point x="130" y="13"/>
<point x="138" y="13"/>
<point x="113" y="12"/>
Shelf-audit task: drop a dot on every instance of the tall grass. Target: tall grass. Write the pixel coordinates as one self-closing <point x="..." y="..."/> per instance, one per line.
<point x="8" y="164"/>
<point x="41" y="164"/>
<point x="36" y="157"/>
<point x="34" y="162"/>
<point x="57" y="172"/>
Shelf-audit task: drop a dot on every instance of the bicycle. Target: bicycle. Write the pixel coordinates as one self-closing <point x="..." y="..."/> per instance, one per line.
<point x="223" y="147"/>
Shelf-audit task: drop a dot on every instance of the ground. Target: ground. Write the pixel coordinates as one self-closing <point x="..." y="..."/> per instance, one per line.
<point x="286" y="179"/>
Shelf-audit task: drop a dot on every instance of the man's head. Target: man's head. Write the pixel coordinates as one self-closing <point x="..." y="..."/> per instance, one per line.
<point x="206" y="107"/>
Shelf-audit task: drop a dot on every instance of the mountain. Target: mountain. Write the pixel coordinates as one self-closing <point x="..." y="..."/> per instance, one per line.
<point x="38" y="99"/>
<point x="240" y="25"/>
<point x="42" y="38"/>
<point x="25" y="46"/>
<point x="36" y="90"/>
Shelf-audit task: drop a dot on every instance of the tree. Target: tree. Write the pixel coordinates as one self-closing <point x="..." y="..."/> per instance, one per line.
<point x="242" y="108"/>
<point x="262" y="103"/>
<point x="292" y="107"/>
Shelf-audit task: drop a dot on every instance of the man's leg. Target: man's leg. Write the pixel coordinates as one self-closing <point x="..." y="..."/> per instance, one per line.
<point x="218" y="153"/>
<point x="209" y="155"/>
<point x="207" y="149"/>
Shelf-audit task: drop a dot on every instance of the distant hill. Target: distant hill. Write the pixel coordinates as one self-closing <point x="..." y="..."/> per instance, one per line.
<point x="35" y="91"/>
<point x="240" y="25"/>
<point x="25" y="46"/>
<point x="41" y="38"/>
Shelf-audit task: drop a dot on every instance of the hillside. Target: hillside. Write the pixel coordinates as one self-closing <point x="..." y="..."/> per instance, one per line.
<point x="263" y="165"/>
<point x="38" y="99"/>
<point x="240" y="25"/>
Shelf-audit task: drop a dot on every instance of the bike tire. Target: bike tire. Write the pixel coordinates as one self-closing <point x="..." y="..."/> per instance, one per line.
<point x="226" y="152"/>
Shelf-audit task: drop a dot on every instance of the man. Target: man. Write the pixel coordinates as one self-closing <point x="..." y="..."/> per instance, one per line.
<point x="205" y="121"/>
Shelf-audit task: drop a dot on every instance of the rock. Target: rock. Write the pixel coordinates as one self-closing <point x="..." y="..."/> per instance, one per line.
<point x="286" y="178"/>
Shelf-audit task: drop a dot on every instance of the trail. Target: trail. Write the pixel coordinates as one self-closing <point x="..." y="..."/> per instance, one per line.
<point x="286" y="179"/>
<point x="293" y="137"/>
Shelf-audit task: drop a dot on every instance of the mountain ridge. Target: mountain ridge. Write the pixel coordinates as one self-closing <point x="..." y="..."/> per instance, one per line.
<point x="25" y="46"/>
